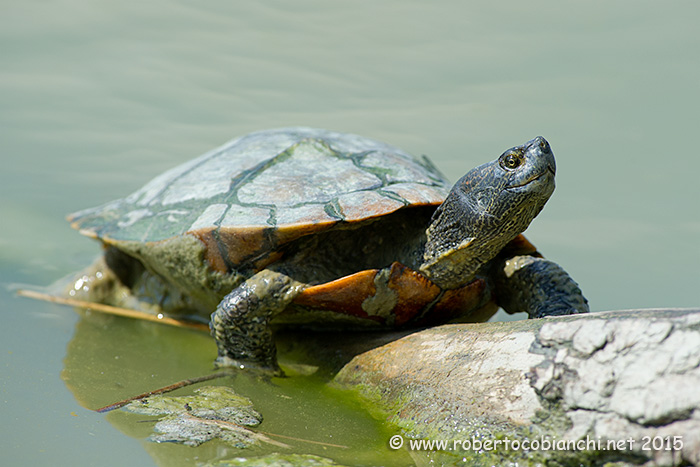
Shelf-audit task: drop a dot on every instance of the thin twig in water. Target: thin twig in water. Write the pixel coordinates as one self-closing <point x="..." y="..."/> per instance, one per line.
<point x="163" y="390"/>
<point x="330" y="445"/>
<point x="113" y="310"/>
<point x="260" y="436"/>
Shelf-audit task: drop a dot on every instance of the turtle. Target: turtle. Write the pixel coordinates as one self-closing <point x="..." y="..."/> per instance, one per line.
<point x="309" y="227"/>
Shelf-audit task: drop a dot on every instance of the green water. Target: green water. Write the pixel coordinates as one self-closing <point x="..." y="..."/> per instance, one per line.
<point x="96" y="98"/>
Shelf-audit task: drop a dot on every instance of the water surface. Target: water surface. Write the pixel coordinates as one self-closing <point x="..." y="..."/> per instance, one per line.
<point x="96" y="98"/>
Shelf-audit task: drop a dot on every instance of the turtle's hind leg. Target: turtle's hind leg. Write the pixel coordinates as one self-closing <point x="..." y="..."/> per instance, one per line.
<point x="241" y="323"/>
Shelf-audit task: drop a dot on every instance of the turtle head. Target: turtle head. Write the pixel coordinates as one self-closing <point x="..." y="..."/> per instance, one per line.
<point x="485" y="210"/>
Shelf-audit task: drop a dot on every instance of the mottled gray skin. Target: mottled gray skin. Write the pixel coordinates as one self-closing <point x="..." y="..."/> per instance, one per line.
<point x="241" y="323"/>
<point x="486" y="209"/>
<point x="521" y="287"/>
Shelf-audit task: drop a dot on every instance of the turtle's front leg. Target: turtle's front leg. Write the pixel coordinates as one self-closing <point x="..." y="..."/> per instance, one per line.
<point x="539" y="287"/>
<point x="241" y="323"/>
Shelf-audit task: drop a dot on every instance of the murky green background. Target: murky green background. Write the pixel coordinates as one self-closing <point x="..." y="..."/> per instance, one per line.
<point x="98" y="97"/>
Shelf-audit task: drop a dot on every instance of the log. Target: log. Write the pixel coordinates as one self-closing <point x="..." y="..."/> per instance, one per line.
<point x="620" y="387"/>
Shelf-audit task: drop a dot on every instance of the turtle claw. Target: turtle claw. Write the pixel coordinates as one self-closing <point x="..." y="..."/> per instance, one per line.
<point x="559" y="309"/>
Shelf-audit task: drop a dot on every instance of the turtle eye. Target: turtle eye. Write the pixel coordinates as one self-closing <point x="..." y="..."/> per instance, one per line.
<point x="512" y="160"/>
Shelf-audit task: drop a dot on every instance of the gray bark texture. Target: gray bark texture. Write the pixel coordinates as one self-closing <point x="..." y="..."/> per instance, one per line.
<point x="625" y="385"/>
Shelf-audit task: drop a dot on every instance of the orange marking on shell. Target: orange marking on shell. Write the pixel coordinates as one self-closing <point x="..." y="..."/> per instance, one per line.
<point x="455" y="302"/>
<point x="239" y="245"/>
<point x="344" y="295"/>
<point x="211" y="250"/>
<point x="414" y="292"/>
<point x="290" y="232"/>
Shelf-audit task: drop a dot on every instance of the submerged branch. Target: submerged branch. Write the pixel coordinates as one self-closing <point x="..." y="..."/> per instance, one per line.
<point x="163" y="390"/>
<point x="260" y="436"/>
<point x="302" y="440"/>
<point x="113" y="310"/>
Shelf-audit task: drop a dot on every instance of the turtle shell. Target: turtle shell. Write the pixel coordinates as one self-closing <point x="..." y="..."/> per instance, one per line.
<point x="248" y="197"/>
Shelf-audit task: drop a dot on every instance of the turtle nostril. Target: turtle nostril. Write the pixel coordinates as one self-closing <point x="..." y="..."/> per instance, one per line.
<point x="543" y="144"/>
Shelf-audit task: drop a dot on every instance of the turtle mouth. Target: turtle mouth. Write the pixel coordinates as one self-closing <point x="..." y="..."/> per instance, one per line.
<point x="548" y="172"/>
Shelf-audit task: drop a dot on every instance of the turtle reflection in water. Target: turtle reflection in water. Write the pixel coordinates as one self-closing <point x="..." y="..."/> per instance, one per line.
<point x="301" y="226"/>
